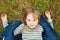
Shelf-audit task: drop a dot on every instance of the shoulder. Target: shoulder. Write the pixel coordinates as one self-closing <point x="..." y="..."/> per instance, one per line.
<point x="40" y="27"/>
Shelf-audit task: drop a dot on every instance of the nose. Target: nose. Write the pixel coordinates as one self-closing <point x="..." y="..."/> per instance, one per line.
<point x="31" y="22"/>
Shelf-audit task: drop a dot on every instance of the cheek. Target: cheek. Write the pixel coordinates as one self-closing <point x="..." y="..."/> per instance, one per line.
<point x="36" y="22"/>
<point x="27" y="22"/>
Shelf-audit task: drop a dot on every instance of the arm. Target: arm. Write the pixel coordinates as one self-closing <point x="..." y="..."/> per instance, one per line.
<point x="5" y="23"/>
<point x="18" y="29"/>
<point x="4" y="19"/>
<point x="48" y="15"/>
<point x="51" y="23"/>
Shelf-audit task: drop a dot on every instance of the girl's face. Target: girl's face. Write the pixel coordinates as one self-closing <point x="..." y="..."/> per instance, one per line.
<point x="31" y="21"/>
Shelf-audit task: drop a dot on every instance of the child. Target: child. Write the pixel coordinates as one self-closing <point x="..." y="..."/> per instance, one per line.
<point x="30" y="27"/>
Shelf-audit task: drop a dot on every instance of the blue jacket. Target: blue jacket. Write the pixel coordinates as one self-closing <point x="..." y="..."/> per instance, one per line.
<point x="48" y="34"/>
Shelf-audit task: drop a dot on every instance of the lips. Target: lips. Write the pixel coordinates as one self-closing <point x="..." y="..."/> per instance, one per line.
<point x="31" y="25"/>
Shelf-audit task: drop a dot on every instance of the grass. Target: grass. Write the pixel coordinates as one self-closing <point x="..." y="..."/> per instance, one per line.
<point x="13" y="8"/>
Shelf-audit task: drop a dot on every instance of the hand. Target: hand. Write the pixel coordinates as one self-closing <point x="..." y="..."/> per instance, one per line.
<point x="3" y="16"/>
<point x="48" y="15"/>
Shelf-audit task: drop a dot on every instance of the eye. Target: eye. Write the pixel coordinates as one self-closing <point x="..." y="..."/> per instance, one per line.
<point x="34" y="20"/>
<point x="29" y="20"/>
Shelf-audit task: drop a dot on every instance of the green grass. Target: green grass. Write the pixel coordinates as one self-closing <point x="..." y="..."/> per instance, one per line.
<point x="13" y="7"/>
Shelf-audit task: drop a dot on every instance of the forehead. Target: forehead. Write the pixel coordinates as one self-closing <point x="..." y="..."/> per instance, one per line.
<point x="29" y="16"/>
<point x="32" y="16"/>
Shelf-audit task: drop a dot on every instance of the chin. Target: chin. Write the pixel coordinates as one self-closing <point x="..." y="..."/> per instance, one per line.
<point x="32" y="27"/>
